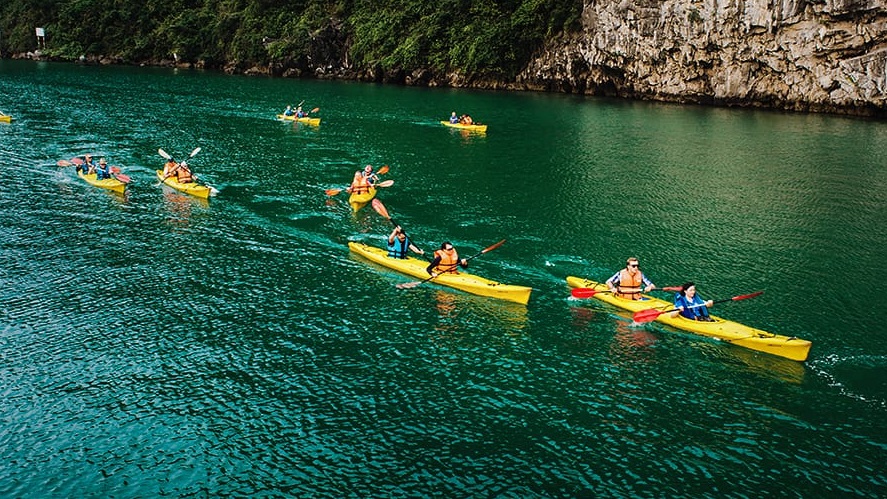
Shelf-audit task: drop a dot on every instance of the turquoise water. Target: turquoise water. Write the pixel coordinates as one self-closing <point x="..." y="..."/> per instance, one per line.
<point x="155" y="344"/>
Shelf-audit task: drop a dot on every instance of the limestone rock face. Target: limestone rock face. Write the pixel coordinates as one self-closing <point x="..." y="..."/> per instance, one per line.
<point x="806" y="55"/>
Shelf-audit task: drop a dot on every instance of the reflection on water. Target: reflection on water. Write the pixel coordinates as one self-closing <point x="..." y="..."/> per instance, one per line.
<point x="180" y="206"/>
<point x="631" y="342"/>
<point x="455" y="310"/>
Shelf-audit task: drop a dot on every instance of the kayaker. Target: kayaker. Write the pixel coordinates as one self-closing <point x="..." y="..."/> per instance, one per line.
<point x="288" y="111"/>
<point x="169" y="168"/>
<point x="453" y="118"/>
<point x="183" y="173"/>
<point x="398" y="244"/>
<point x="300" y="113"/>
<point x="370" y="177"/>
<point x="466" y="120"/>
<point x="103" y="171"/>
<point x="690" y="305"/>
<point x="88" y="166"/>
<point x="359" y="184"/>
<point x="445" y="261"/>
<point x="627" y="282"/>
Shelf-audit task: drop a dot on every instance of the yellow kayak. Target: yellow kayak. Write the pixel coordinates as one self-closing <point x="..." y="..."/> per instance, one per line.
<point x="358" y="201"/>
<point x="5" y="118"/>
<point x="722" y="329"/>
<point x="305" y="119"/>
<point x="473" y="128"/>
<point x="465" y="282"/>
<point x="192" y="188"/>
<point x="112" y="184"/>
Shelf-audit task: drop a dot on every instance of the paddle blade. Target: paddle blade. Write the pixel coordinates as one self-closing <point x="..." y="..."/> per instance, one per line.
<point x="164" y="153"/>
<point x="583" y="292"/>
<point x="63" y="162"/>
<point x="385" y="183"/>
<point x="383" y="170"/>
<point x="491" y="248"/>
<point x="77" y="161"/>
<point x="332" y="192"/>
<point x="408" y="285"/>
<point x="123" y="178"/>
<point x="745" y="297"/>
<point x="115" y="169"/>
<point x="314" y="110"/>
<point x="380" y="208"/>
<point x="194" y="152"/>
<point x="647" y="315"/>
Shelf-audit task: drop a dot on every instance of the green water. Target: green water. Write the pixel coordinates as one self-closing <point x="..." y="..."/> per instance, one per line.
<point x="157" y="345"/>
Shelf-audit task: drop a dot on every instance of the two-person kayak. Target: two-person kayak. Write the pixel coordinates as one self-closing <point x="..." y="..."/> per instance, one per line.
<point x="358" y="201"/>
<point x="461" y="126"/>
<point x="722" y="329"/>
<point x="461" y="281"/>
<point x="112" y="184"/>
<point x="192" y="188"/>
<point x="304" y="119"/>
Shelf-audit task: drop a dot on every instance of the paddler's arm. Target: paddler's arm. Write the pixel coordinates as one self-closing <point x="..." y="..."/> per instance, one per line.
<point x="613" y="282"/>
<point x="649" y="284"/>
<point x="431" y="267"/>
<point x="416" y="250"/>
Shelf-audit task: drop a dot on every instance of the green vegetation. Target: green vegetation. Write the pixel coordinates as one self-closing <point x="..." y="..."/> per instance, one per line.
<point x="492" y="38"/>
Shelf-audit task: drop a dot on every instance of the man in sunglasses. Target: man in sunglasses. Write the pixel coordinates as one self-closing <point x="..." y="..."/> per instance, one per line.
<point x="629" y="282"/>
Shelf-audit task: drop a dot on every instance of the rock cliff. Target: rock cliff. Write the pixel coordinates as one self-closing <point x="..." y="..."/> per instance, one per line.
<point x="805" y="55"/>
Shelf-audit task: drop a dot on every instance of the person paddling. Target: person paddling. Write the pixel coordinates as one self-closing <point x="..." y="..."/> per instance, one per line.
<point x="288" y="111"/>
<point x="103" y="171"/>
<point x="628" y="282"/>
<point x="88" y="166"/>
<point x="690" y="305"/>
<point x="398" y="244"/>
<point x="445" y="261"/>
<point x="362" y="181"/>
<point x="453" y="118"/>
<point x="181" y="171"/>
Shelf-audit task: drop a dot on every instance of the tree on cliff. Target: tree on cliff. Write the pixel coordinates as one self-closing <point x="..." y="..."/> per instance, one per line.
<point x="485" y="38"/>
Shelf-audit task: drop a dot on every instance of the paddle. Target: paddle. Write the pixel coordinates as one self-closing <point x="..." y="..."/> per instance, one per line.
<point x="381" y="210"/>
<point x="384" y="183"/>
<point x="410" y="285"/>
<point x="120" y="176"/>
<point x="589" y="292"/>
<point x="651" y="314"/>
<point x="168" y="157"/>
<point x="314" y="110"/>
<point x="382" y="171"/>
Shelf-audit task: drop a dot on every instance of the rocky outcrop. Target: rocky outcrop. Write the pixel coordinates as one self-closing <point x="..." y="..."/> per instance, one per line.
<point x="806" y="55"/>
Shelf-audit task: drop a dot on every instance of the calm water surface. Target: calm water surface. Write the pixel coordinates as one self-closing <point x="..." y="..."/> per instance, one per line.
<point x="156" y="345"/>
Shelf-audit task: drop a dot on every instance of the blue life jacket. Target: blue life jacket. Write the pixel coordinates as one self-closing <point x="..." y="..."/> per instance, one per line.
<point x="699" y="310"/>
<point x="399" y="249"/>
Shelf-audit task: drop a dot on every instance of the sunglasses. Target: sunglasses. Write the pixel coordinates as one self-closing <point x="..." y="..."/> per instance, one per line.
<point x="633" y="265"/>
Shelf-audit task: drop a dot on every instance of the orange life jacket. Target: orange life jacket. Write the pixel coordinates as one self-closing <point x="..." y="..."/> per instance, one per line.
<point x="168" y="168"/>
<point x="448" y="261"/>
<point x="360" y="185"/>
<point x="183" y="175"/>
<point x="626" y="280"/>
